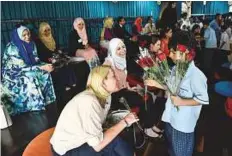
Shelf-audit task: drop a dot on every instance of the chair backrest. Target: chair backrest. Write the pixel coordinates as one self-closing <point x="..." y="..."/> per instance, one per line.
<point x="40" y="145"/>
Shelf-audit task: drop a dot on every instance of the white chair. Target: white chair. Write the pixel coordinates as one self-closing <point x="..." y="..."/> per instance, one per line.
<point x="5" y="118"/>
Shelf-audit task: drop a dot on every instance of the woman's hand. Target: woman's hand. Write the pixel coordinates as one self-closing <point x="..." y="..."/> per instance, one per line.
<point x="130" y="119"/>
<point x="48" y="67"/>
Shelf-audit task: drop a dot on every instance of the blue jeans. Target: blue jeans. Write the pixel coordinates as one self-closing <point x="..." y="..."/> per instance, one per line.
<point x="179" y="143"/>
<point x="117" y="147"/>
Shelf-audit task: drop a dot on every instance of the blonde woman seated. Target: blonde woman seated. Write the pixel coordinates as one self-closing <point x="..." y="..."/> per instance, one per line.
<point x="107" y="32"/>
<point x="78" y="44"/>
<point x="79" y="128"/>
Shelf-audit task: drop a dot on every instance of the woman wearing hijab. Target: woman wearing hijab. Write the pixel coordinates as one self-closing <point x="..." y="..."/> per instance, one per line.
<point x="79" y="128"/>
<point x="28" y="80"/>
<point x="46" y="44"/>
<point x="78" y="44"/>
<point x="67" y="80"/>
<point x="117" y="60"/>
<point x="137" y="27"/>
<point x="47" y="47"/>
<point x="107" y="32"/>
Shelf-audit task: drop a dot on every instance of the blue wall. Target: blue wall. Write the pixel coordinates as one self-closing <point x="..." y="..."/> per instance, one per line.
<point x="211" y="7"/>
<point x="65" y="12"/>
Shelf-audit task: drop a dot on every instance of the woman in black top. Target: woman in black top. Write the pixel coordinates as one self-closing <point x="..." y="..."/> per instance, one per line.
<point x="79" y="46"/>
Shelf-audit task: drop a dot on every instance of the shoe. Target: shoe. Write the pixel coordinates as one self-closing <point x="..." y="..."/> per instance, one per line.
<point x="67" y="88"/>
<point x="151" y="133"/>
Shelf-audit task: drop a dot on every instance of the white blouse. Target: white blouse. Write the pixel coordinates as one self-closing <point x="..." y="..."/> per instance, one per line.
<point x="80" y="122"/>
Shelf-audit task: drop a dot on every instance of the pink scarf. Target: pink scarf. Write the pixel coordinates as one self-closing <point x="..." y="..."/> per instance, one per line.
<point x="82" y="33"/>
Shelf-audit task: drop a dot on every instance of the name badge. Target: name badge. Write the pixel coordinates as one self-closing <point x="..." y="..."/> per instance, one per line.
<point x="80" y="40"/>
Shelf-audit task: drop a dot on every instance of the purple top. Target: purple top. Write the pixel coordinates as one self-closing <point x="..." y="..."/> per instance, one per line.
<point x="108" y="35"/>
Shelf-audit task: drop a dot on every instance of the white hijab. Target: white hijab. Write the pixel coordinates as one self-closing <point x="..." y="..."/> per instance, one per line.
<point x="116" y="61"/>
<point x="20" y="31"/>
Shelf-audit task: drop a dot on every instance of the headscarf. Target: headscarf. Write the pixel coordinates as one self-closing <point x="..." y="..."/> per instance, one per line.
<point x="82" y="33"/>
<point x="25" y="49"/>
<point x="138" y="23"/>
<point x="95" y="82"/>
<point x="117" y="61"/>
<point x="48" y="41"/>
<point x="107" y="23"/>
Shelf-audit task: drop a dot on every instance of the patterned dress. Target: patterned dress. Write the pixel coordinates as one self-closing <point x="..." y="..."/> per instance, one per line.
<point x="30" y="87"/>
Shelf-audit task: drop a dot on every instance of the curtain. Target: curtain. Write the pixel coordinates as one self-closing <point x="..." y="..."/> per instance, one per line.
<point x="85" y="9"/>
<point x="211" y="7"/>
<point x="66" y="11"/>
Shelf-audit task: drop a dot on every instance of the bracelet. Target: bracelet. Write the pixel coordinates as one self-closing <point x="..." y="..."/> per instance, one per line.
<point x="127" y="124"/>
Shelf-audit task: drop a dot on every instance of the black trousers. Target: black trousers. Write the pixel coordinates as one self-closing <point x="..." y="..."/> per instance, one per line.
<point x="148" y="117"/>
<point x="208" y="66"/>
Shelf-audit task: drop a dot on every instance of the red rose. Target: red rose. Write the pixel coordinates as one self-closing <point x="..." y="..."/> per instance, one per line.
<point x="181" y="48"/>
<point x="192" y="51"/>
<point x="161" y="56"/>
<point x="149" y="61"/>
<point x="189" y="57"/>
<point x="141" y="63"/>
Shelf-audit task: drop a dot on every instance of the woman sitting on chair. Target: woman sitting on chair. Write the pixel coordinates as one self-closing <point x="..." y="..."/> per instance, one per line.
<point x="107" y="32"/>
<point x="117" y="60"/>
<point x="28" y="80"/>
<point x="79" y="128"/>
<point x="79" y="46"/>
<point x="64" y="77"/>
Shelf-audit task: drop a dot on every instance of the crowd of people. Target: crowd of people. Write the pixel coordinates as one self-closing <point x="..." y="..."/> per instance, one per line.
<point x="33" y="82"/>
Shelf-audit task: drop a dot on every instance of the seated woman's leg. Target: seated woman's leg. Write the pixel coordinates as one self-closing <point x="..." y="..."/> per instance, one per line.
<point x="148" y="115"/>
<point x="118" y="147"/>
<point x="46" y="86"/>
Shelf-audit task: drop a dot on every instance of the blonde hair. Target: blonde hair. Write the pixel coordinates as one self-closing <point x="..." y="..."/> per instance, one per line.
<point x="48" y="41"/>
<point x="107" y="23"/>
<point x="95" y="82"/>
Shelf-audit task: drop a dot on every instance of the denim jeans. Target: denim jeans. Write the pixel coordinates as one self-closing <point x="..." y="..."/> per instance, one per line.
<point x="117" y="147"/>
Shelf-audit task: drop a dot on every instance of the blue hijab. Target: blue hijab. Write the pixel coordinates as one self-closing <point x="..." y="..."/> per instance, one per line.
<point x="25" y="49"/>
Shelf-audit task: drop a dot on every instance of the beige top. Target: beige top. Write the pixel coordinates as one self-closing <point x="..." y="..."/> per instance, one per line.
<point x="149" y="29"/>
<point x="80" y="122"/>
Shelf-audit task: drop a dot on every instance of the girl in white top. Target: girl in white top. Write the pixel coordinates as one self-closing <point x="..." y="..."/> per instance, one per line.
<point x="79" y="128"/>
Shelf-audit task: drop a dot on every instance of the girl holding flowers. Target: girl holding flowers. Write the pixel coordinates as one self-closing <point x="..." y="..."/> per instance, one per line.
<point x="190" y="96"/>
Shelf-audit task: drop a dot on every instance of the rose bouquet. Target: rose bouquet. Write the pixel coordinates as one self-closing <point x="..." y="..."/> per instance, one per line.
<point x="183" y="58"/>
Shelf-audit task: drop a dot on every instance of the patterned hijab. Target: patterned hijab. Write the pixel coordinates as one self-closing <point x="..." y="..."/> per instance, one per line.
<point x="25" y="49"/>
<point x="82" y="33"/>
<point x="95" y="82"/>
<point x="48" y="41"/>
<point x="116" y="61"/>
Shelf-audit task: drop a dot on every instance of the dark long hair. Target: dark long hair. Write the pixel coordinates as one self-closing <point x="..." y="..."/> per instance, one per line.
<point x="164" y="31"/>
